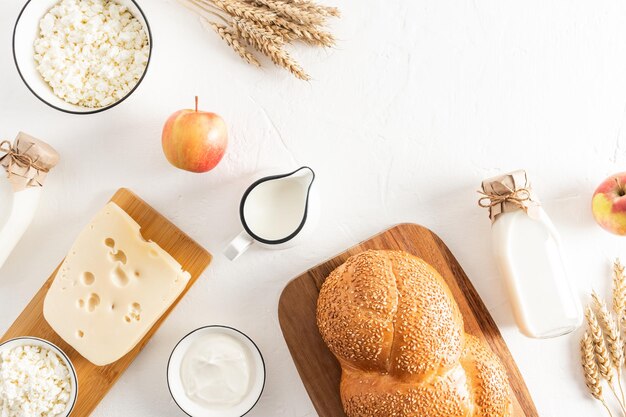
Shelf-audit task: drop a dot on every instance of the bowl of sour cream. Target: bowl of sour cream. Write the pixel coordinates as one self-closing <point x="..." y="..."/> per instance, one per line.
<point x="216" y="371"/>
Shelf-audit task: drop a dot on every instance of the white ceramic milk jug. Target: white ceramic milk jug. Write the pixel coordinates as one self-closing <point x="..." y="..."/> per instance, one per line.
<point x="277" y="211"/>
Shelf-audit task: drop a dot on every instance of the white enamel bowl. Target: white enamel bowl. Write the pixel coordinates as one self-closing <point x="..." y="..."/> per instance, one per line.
<point x="175" y="383"/>
<point x="35" y="341"/>
<point x="24" y="35"/>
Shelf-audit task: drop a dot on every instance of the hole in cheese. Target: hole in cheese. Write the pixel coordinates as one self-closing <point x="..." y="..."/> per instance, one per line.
<point x="87" y="278"/>
<point x="134" y="311"/>
<point x="119" y="277"/>
<point x="109" y="242"/>
<point x="118" y="256"/>
<point x="93" y="302"/>
<point x="80" y="334"/>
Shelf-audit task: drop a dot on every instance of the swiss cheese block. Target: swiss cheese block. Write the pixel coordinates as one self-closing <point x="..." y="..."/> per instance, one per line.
<point x="111" y="288"/>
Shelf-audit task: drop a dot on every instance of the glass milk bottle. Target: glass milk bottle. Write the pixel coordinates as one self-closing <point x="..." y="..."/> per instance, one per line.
<point x="26" y="163"/>
<point x="528" y="251"/>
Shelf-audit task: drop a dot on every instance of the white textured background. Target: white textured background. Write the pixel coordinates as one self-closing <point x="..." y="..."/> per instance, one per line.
<point x="418" y="103"/>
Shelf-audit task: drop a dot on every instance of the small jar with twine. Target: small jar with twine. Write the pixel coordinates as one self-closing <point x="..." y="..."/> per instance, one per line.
<point x="27" y="161"/>
<point x="507" y="193"/>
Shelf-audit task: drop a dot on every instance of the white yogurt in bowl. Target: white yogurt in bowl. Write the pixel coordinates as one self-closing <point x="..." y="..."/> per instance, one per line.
<point x="216" y="371"/>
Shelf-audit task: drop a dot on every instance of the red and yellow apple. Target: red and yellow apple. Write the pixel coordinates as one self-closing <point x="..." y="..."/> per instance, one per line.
<point x="194" y="140"/>
<point x="609" y="204"/>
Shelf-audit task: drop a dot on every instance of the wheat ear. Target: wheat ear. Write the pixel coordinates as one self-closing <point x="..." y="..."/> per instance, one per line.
<point x="613" y="339"/>
<point x="323" y="10"/>
<point x="307" y="34"/>
<point x="590" y="369"/>
<point x="261" y="34"/>
<point x="230" y="38"/>
<point x="619" y="299"/>
<point x="267" y="26"/>
<point x="619" y="293"/>
<point x="267" y="42"/>
<point x="293" y="12"/>
<point x="603" y="359"/>
<point x="244" y="10"/>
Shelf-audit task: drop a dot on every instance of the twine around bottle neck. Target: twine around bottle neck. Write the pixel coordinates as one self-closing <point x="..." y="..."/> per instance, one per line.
<point x="15" y="157"/>
<point x="519" y="198"/>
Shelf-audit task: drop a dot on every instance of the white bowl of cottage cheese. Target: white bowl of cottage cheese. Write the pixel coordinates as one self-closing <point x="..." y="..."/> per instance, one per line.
<point x="36" y="379"/>
<point x="82" y="56"/>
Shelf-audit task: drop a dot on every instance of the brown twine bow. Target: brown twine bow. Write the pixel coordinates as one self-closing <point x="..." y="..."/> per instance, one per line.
<point x="517" y="197"/>
<point x="19" y="159"/>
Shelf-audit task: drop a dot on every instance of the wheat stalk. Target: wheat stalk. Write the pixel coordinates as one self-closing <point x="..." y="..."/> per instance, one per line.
<point x="590" y="370"/>
<point x="268" y="26"/>
<point x="613" y="339"/>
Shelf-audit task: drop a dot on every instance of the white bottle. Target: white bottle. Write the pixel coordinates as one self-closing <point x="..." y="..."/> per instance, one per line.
<point x="26" y="163"/>
<point x="529" y="255"/>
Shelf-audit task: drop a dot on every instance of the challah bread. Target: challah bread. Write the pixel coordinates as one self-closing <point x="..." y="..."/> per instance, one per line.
<point x="393" y="324"/>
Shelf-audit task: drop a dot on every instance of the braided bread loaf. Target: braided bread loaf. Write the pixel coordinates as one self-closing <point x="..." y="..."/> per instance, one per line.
<point x="393" y="324"/>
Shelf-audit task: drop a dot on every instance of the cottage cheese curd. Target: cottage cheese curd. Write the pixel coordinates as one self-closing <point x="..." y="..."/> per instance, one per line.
<point x="34" y="381"/>
<point x="91" y="52"/>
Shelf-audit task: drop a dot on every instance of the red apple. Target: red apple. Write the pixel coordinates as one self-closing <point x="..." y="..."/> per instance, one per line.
<point x="194" y="140"/>
<point x="609" y="204"/>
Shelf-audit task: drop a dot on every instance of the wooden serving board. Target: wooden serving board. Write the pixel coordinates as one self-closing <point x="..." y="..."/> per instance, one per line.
<point x="94" y="381"/>
<point x="318" y="368"/>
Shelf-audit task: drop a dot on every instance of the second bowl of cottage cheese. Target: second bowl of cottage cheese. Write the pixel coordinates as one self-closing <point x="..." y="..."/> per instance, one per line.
<point x="82" y="56"/>
<point x="36" y="379"/>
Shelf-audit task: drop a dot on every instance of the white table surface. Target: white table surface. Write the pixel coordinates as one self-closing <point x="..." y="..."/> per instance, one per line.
<point x="417" y="104"/>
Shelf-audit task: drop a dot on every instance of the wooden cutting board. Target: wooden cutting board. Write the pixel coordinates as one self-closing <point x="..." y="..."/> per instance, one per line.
<point x="318" y="368"/>
<point x="93" y="381"/>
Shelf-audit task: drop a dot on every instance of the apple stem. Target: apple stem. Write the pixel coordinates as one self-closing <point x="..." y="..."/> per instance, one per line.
<point x="620" y="187"/>
<point x="196" y="104"/>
